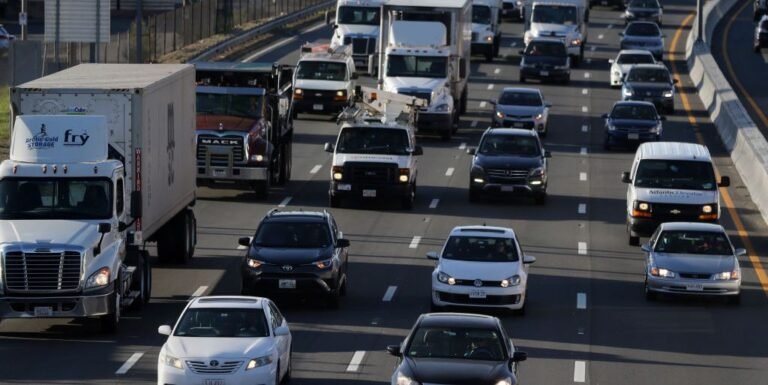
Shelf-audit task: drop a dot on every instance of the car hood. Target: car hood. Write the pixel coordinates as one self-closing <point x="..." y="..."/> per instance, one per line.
<point x="519" y="110"/>
<point x="488" y="271"/>
<point x="547" y="30"/>
<point x="455" y="371"/>
<point x="217" y="347"/>
<point x="396" y="83"/>
<point x="290" y="256"/>
<point x="400" y="160"/>
<point x="664" y="195"/>
<point x="225" y="122"/>
<point x="629" y="123"/>
<point x="60" y="232"/>
<point x="323" y="85"/>
<point x="692" y="263"/>
<point x="642" y="86"/>
<point x="358" y="30"/>
<point x="508" y="161"/>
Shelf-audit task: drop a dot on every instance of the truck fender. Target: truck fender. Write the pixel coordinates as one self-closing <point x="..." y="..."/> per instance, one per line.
<point x="109" y="257"/>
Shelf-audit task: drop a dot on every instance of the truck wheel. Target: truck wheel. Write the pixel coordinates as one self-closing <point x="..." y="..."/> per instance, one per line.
<point x="540" y="198"/>
<point x="463" y="102"/>
<point x="177" y="238"/>
<point x="446" y="134"/>
<point x="109" y="322"/>
<point x="489" y="54"/>
<point x="143" y="283"/>
<point x="522" y="79"/>
<point x="334" y="201"/>
<point x="410" y="198"/>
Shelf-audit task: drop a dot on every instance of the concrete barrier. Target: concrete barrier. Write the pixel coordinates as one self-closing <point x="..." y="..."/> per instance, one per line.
<point x="743" y="140"/>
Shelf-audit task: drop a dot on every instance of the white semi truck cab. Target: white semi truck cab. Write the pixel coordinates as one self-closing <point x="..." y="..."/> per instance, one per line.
<point x="357" y="25"/>
<point x="486" y="30"/>
<point x="565" y="20"/>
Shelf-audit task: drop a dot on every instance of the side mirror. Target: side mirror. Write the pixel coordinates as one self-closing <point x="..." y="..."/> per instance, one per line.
<point x="646" y="247"/>
<point x="164" y="330"/>
<point x="282" y="331"/>
<point x="604" y="116"/>
<point x="471" y="151"/>
<point x="547" y="154"/>
<point x="724" y="181"/>
<point x="342" y="243"/>
<point x="394" y="350"/>
<point x="136" y="204"/>
<point x="741" y="252"/>
<point x="675" y="81"/>
<point x="244" y="241"/>
<point x="662" y="118"/>
<point x="625" y="177"/>
<point x="433" y="255"/>
<point x="519" y="356"/>
<point x="372" y="58"/>
<point x="418" y="150"/>
<point x="493" y="102"/>
<point x="610" y="61"/>
<point x="105" y="228"/>
<point x="621" y="33"/>
<point x="548" y="104"/>
<point x="354" y="76"/>
<point x="328" y="147"/>
<point x="529" y="259"/>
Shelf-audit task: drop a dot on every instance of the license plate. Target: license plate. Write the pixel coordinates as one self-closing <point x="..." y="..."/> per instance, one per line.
<point x="43" y="311"/>
<point x="694" y="287"/>
<point x="287" y="283"/>
<point x="317" y="107"/>
<point x="359" y="63"/>
<point x="508" y="188"/>
<point x="544" y="73"/>
<point x="369" y="193"/>
<point x="633" y="136"/>
<point x="214" y="382"/>
<point x="477" y="294"/>
<point x="517" y="124"/>
<point x="219" y="172"/>
<point x="344" y="187"/>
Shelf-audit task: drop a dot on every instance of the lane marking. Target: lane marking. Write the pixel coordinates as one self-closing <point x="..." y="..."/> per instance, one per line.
<point x="282" y="43"/>
<point x="497" y="71"/>
<point x="135" y="357"/>
<point x="582" y="248"/>
<point x="582" y="208"/>
<point x="741" y="230"/>
<point x="415" y="242"/>
<point x="474" y="123"/>
<point x="483" y="104"/>
<point x="434" y="203"/>
<point x="586" y="75"/>
<point x="357" y="359"/>
<point x="610" y="26"/>
<point x="463" y="146"/>
<point x="584" y="109"/>
<point x="583" y="151"/>
<point x="241" y="247"/>
<point x="490" y="86"/>
<point x="583" y="176"/>
<point x="592" y="48"/>
<point x="581" y="301"/>
<point x="600" y="36"/>
<point x="585" y="91"/>
<point x="584" y="128"/>
<point x="449" y="171"/>
<point x="513" y="44"/>
<point x="315" y="169"/>
<point x="588" y="60"/>
<point x="579" y="371"/>
<point x="285" y="202"/>
<point x="199" y="292"/>
<point x="389" y="294"/>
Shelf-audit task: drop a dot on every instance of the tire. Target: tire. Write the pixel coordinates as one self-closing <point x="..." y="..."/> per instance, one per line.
<point x="261" y="188"/>
<point x="343" y="287"/>
<point x="288" y="372"/>
<point x="333" y="299"/>
<point x="144" y="284"/>
<point x="489" y="55"/>
<point x="285" y="165"/>
<point x="522" y="79"/>
<point x="277" y="375"/>
<point x="474" y="195"/>
<point x="446" y="135"/>
<point x="649" y="295"/>
<point x="567" y="80"/>
<point x="756" y="49"/>
<point x="520" y="312"/>
<point x="463" y="103"/>
<point x="606" y="145"/>
<point x="109" y="322"/>
<point x="176" y="239"/>
<point x="334" y="201"/>
<point x="634" y="240"/>
<point x="734" y="299"/>
<point x="671" y="110"/>
<point x="407" y="201"/>
<point x="540" y="199"/>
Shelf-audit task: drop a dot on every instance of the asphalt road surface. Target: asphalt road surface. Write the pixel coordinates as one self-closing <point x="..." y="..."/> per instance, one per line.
<point x="579" y="238"/>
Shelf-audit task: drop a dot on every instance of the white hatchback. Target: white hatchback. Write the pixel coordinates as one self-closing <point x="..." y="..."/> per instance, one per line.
<point x="226" y="340"/>
<point x="480" y="266"/>
<point x="624" y="60"/>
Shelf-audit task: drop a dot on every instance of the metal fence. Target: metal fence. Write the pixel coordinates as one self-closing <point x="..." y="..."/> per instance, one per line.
<point x="166" y="32"/>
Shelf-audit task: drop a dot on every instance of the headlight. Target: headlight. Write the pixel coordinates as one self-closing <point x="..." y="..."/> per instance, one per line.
<point x="506" y="381"/>
<point x="171" y="361"/>
<point x="405" y="380"/>
<point x="253" y="263"/>
<point x="405" y="175"/>
<point x="489" y="38"/>
<point x="257" y="158"/>
<point x="445" y="278"/>
<point x="442" y="108"/>
<point x="511" y="281"/>
<point x="668" y="94"/>
<point x="617" y="73"/>
<point x="627" y="92"/>
<point x="706" y="209"/>
<point x="298" y="93"/>
<point x="726" y="275"/>
<point x="664" y="273"/>
<point x="538" y="116"/>
<point x="324" y="264"/>
<point x="478" y="180"/>
<point x="341" y="95"/>
<point x="499" y="114"/>
<point x="641" y="209"/>
<point x="259" y="362"/>
<point x="337" y="172"/>
<point x="611" y="127"/>
<point x="576" y="42"/>
<point x="630" y="14"/>
<point x="656" y="128"/>
<point x="98" y="279"/>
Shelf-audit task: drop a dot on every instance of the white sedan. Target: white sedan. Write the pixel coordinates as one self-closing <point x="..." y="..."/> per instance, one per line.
<point x="226" y="340"/>
<point x="626" y="59"/>
<point x="480" y="266"/>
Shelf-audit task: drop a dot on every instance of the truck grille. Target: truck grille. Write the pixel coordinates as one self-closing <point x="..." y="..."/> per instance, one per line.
<point x="220" y="148"/>
<point x="675" y="212"/>
<point x="220" y="367"/>
<point x="504" y="176"/>
<point x="361" y="45"/>
<point x="43" y="271"/>
<point x="319" y="95"/>
<point x="426" y="95"/>
<point x="371" y="173"/>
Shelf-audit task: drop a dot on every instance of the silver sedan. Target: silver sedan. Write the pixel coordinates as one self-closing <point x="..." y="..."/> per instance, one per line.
<point x="693" y="259"/>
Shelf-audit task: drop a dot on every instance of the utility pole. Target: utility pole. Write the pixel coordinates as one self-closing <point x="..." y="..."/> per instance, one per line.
<point x="23" y="17"/>
<point x="139" y="20"/>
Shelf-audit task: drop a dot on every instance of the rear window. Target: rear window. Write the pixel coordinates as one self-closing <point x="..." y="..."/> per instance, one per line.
<point x="635" y="58"/>
<point x="648" y="75"/>
<point x="643" y="29"/>
<point x="516" y="98"/>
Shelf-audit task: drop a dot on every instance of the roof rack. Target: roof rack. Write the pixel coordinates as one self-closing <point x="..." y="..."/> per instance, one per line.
<point x="371" y="105"/>
<point x="325" y="50"/>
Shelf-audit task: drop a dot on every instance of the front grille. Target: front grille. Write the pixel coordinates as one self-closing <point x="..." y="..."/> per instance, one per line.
<point x="488" y="300"/>
<point x="371" y="173"/>
<point x="695" y="275"/>
<point x="318" y="95"/>
<point x="648" y="93"/>
<point x="666" y="212"/>
<point x="474" y="36"/>
<point x="505" y="176"/>
<point x="471" y="282"/>
<point x="220" y="148"/>
<point x="43" y="271"/>
<point x="517" y="124"/>
<point x="361" y="45"/>
<point x="427" y="95"/>
<point x="633" y="130"/>
<point x="220" y="367"/>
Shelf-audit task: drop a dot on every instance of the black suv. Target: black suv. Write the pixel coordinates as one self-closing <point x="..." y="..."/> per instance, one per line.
<point x="509" y="160"/>
<point x="296" y="253"/>
<point x="545" y="59"/>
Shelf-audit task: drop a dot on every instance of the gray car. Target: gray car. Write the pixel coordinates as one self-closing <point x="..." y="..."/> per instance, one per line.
<point x="521" y="108"/>
<point x="643" y="35"/>
<point x="643" y="10"/>
<point x="693" y="259"/>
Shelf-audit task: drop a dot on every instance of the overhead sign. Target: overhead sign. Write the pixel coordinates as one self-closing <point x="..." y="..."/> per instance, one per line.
<point x="78" y="20"/>
<point x="22" y="18"/>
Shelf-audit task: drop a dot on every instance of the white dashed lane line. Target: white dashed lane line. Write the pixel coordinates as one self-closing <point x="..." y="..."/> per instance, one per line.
<point x="434" y="203"/>
<point x="473" y="124"/>
<point x="585" y="91"/>
<point x="584" y="109"/>
<point x="483" y="104"/>
<point x="449" y="171"/>
<point x="389" y="294"/>
<point x="600" y="36"/>
<point x="200" y="291"/>
<point x="135" y="357"/>
<point x="357" y="359"/>
<point x="315" y="169"/>
<point x="415" y="242"/>
<point x="463" y="146"/>
<point x="285" y="202"/>
<point x="497" y="71"/>
<point x="581" y="301"/>
<point x="587" y="75"/>
<point x="583" y="176"/>
<point x="579" y="371"/>
<point x="584" y="128"/>
<point x="583" y="151"/>
<point x="490" y="86"/>
<point x="582" y="248"/>
<point x="582" y="208"/>
<point x="610" y="26"/>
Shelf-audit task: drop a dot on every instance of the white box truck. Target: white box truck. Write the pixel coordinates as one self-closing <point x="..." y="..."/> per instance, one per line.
<point x="102" y="162"/>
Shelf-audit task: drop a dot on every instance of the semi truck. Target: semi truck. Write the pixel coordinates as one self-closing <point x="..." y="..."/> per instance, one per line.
<point x="357" y="25"/>
<point x="100" y="165"/>
<point x="244" y="125"/>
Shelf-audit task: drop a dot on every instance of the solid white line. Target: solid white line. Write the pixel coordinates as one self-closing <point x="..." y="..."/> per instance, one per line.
<point x="582" y="208"/>
<point x="389" y="293"/>
<point x="415" y="242"/>
<point x="585" y="91"/>
<point x="583" y="151"/>
<point x="282" y="43"/>
<point x="200" y="291"/>
<point x="580" y="371"/>
<point x="474" y="123"/>
<point x="449" y="171"/>
<point x="582" y="176"/>
<point x="490" y="86"/>
<point x="357" y="359"/>
<point x="315" y="169"/>
<point x="483" y="104"/>
<point x="463" y="146"/>
<point x="584" y="128"/>
<point x="497" y="71"/>
<point x="600" y="36"/>
<point x="582" y="248"/>
<point x="586" y="75"/>
<point x="434" y="203"/>
<point x="581" y="300"/>
<point x="135" y="357"/>
<point x="584" y="109"/>
<point x="285" y="202"/>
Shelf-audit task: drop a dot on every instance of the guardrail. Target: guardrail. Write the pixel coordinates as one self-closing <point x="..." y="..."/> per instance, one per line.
<point x="266" y="27"/>
<point x="743" y="140"/>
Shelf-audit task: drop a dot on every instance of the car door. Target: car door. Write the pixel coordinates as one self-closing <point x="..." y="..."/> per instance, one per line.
<point x="282" y="343"/>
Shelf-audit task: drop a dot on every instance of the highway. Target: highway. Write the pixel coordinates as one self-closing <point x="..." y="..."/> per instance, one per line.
<point x="587" y="320"/>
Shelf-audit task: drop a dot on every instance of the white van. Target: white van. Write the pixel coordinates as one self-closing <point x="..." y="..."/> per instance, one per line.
<point x="670" y="182"/>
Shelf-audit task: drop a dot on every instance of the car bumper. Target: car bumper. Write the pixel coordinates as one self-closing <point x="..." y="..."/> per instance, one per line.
<point x="211" y="175"/>
<point x="362" y="191"/>
<point x="539" y="126"/>
<point x="434" y="121"/>
<point x="514" y="189"/>
<point x="623" y="137"/>
<point x="656" y="19"/>
<point x="482" y="48"/>
<point x="498" y="297"/>
<point x="646" y="226"/>
<point x="270" y="283"/>
<point x="61" y="306"/>
<point x="168" y="375"/>
<point x="536" y="73"/>
<point x="318" y="106"/>
<point x="693" y="286"/>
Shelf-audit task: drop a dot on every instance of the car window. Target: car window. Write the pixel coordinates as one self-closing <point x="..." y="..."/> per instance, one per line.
<point x="545" y="48"/>
<point x="221" y="322"/>
<point x="457" y="343"/>
<point x="634" y="111"/>
<point x="277" y="318"/>
<point x="373" y="140"/>
<point x="644" y="4"/>
<point x="290" y="234"/>
<point x="481" y="14"/>
<point x="675" y="174"/>
<point x="480" y="249"/>
<point x="321" y="70"/>
<point x="693" y="242"/>
<point x="642" y="29"/>
<point x="555" y="14"/>
<point x="648" y="75"/>
<point x="518" y="98"/>
<point x="635" y="58"/>
<point x="526" y="146"/>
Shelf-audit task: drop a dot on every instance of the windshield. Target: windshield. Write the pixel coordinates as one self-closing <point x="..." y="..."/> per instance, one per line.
<point x="321" y="70"/>
<point x="644" y="4"/>
<point x="457" y="342"/>
<point x="216" y="322"/>
<point x="648" y="75"/>
<point x="675" y="174"/>
<point x="358" y="15"/>
<point x="514" y="98"/>
<point x="634" y="111"/>
<point x="481" y="14"/>
<point x="635" y="58"/>
<point x="693" y="242"/>
<point x="517" y="145"/>
<point x="480" y="249"/>
<point x="55" y="198"/>
<point x="541" y="48"/>
<point x="292" y="235"/>
<point x="373" y="140"/>
<point x="554" y="14"/>
<point x="417" y="66"/>
<point x="643" y="29"/>
<point x="248" y="106"/>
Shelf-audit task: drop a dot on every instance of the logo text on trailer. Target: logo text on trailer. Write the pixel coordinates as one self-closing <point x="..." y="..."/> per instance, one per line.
<point x="41" y="140"/>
